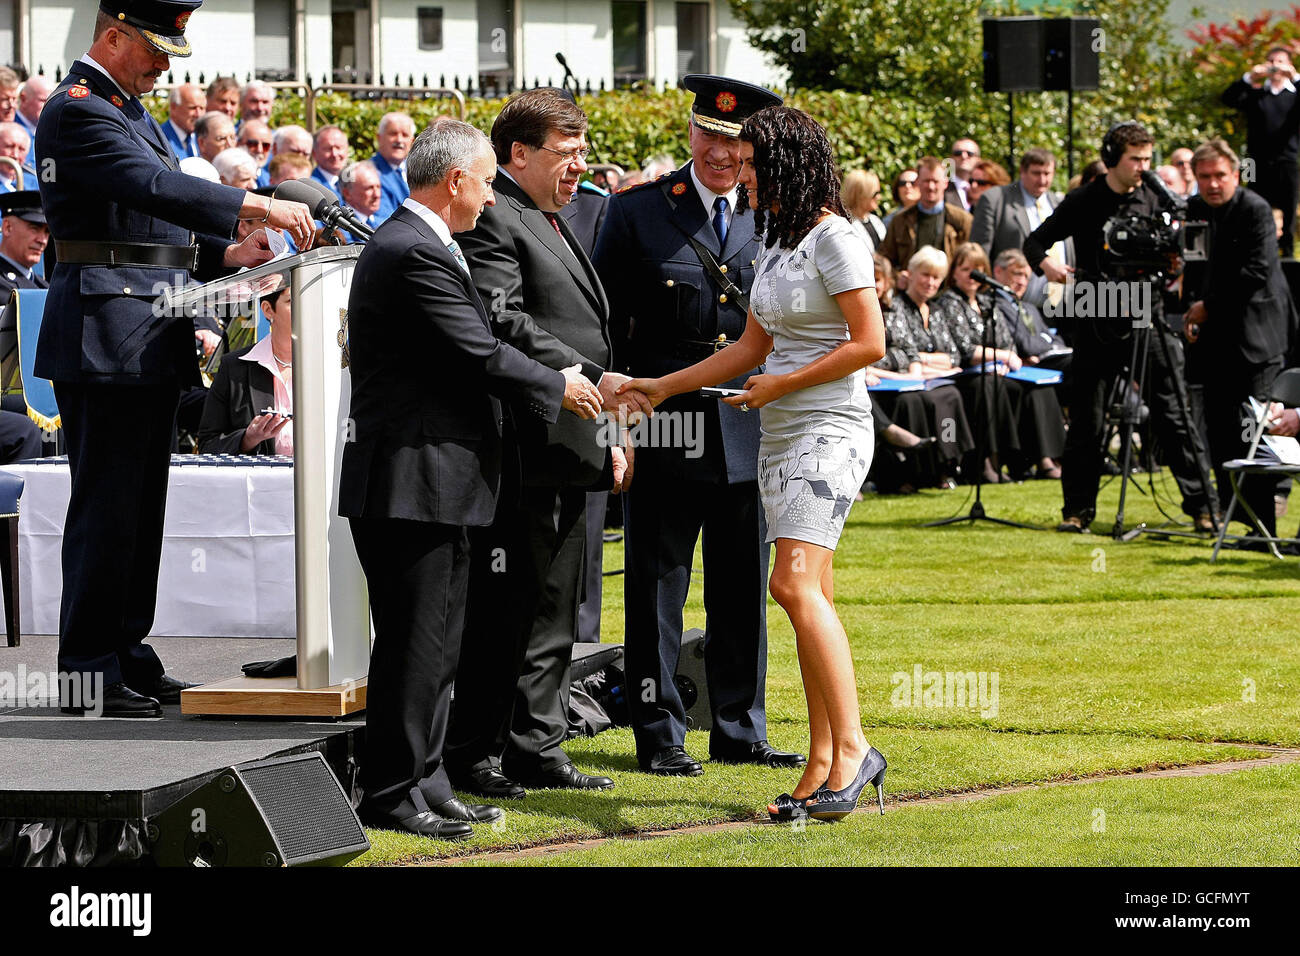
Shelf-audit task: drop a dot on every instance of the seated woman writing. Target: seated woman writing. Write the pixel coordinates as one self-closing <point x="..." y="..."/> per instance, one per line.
<point x="250" y="381"/>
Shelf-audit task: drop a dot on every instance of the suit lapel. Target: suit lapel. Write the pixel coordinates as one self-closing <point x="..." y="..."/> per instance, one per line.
<point x="537" y="223"/>
<point x="442" y="252"/>
<point x="689" y="214"/>
<point x="740" y="233"/>
<point x="137" y="118"/>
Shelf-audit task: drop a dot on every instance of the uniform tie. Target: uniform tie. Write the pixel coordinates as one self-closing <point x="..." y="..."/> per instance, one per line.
<point x="454" y="248"/>
<point x="720" y="219"/>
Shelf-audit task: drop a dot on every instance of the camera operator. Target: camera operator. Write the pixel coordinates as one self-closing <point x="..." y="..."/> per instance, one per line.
<point x="1268" y="97"/>
<point x="1237" y="326"/>
<point x="1102" y="343"/>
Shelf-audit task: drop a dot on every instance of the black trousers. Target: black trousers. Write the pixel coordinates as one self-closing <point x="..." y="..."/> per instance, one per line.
<point x="593" y="567"/>
<point x="19" y="438"/>
<point x="1279" y="183"/>
<point x="1229" y="424"/>
<point x="663" y="519"/>
<point x="1096" y="363"/>
<point x="512" y="694"/>
<point x="119" y="440"/>
<point x="417" y="573"/>
<point x="1039" y="420"/>
<point x="939" y="413"/>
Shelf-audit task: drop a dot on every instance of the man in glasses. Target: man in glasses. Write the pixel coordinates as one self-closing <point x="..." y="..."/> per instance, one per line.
<point x="965" y="154"/>
<point x="543" y="297"/>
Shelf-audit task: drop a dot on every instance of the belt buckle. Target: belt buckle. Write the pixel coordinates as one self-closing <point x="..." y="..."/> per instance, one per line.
<point x="720" y="342"/>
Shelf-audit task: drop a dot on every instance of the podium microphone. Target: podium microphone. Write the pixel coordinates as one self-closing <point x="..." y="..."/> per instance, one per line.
<point x="983" y="279"/>
<point x="324" y="205"/>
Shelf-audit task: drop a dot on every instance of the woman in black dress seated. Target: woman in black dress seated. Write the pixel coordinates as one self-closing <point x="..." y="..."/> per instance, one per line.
<point x="920" y="346"/>
<point x="1024" y="426"/>
<point x="250" y="381"/>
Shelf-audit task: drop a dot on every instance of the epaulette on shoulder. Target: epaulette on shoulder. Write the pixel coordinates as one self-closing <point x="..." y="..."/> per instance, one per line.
<point x="633" y="187"/>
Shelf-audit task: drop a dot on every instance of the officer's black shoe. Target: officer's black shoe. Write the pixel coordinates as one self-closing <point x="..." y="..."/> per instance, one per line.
<point x="454" y="809"/>
<point x="488" y="782"/>
<point x="426" y="824"/>
<point x="1073" y="525"/>
<point x="117" y="700"/>
<point x="762" y="753"/>
<point x="673" y="762"/>
<point x="567" y="777"/>
<point x="164" y="689"/>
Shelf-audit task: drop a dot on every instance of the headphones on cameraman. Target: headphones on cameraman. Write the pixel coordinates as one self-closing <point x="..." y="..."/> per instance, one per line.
<point x="1111" y="149"/>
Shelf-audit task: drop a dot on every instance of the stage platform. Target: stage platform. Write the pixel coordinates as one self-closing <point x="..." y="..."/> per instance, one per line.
<point x="87" y="780"/>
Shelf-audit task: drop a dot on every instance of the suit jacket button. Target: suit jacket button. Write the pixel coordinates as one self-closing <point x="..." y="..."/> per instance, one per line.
<point x="723" y="298"/>
<point x="126" y="290"/>
<point x="669" y="283"/>
<point x="722" y="269"/>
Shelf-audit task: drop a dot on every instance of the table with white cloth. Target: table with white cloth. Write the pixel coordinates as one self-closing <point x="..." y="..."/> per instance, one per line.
<point x="228" y="547"/>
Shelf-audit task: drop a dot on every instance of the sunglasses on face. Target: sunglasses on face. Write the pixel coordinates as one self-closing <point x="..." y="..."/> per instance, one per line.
<point x="957" y="153"/>
<point x="981" y="182"/>
<point x="904" y="183"/>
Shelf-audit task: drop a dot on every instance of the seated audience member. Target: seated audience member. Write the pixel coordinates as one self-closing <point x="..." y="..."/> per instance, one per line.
<point x="250" y="381"/>
<point x="184" y="107"/>
<point x="393" y="141"/>
<point x="15" y="144"/>
<point x="23" y="238"/>
<point x="330" y="152"/>
<point x="256" y="101"/>
<point x="965" y="155"/>
<point x="861" y="196"/>
<point x="223" y="97"/>
<point x="1034" y="339"/>
<point x="31" y="100"/>
<point x="359" y="183"/>
<point x="904" y="192"/>
<point x="660" y="164"/>
<point x="1181" y="160"/>
<point x="1170" y="176"/>
<point x="255" y="138"/>
<point x="287" y="166"/>
<point x="897" y="471"/>
<point x="607" y="176"/>
<point x="199" y="167"/>
<point x="9" y="84"/>
<point x="236" y="168"/>
<point x="986" y="176"/>
<point x="214" y="132"/>
<point x="919" y="345"/>
<point x="291" y="139"/>
<point x="1024" y="423"/>
<point x="931" y="222"/>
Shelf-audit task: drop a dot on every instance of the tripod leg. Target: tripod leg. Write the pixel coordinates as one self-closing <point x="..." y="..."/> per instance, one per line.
<point x="1136" y="369"/>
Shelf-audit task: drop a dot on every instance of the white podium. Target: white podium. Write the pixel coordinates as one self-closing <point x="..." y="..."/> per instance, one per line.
<point x="332" y="604"/>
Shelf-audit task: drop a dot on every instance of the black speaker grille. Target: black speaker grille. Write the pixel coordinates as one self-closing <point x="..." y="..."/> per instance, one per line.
<point x="304" y="806"/>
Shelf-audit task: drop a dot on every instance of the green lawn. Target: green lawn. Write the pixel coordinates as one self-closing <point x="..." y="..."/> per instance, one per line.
<point x="1107" y="657"/>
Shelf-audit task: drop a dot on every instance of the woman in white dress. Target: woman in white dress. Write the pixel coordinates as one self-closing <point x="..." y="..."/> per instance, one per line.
<point x="815" y="321"/>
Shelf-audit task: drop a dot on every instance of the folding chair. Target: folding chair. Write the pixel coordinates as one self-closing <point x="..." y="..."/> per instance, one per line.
<point x="1286" y="390"/>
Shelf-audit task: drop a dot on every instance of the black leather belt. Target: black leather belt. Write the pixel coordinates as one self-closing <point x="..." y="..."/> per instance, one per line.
<point x="80" y="253"/>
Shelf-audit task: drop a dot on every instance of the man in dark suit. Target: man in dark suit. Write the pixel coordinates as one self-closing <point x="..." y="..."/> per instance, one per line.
<point x="585" y="213"/>
<point x="117" y="362"/>
<point x="1005" y="215"/>
<point x="669" y="311"/>
<point x="931" y="222"/>
<point x="1237" y="325"/>
<point x="426" y="464"/>
<point x="545" y="299"/>
<point x="1268" y="96"/>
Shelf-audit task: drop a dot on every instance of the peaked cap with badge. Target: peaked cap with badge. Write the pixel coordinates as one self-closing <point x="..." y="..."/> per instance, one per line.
<point x="161" y="22"/>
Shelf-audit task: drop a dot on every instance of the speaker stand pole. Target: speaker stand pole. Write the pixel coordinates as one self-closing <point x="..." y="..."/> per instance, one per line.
<point x="1069" y="130"/>
<point x="1011" y="129"/>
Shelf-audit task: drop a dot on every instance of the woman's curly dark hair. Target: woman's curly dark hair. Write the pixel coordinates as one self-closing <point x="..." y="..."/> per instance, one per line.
<point x="796" y="172"/>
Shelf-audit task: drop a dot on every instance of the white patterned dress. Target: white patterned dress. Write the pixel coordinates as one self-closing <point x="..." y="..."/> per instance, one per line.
<point x="816" y="442"/>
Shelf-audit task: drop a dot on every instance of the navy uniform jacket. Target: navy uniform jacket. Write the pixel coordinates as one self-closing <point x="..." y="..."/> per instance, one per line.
<point x="585" y="214"/>
<point x="11" y="277"/>
<point x="111" y="177"/>
<point x="662" y="300"/>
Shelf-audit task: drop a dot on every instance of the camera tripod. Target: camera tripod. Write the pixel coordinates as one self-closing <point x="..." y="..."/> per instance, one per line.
<point x="1128" y="415"/>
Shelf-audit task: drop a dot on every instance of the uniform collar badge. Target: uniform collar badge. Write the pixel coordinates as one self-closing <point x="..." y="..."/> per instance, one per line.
<point x="77" y="92"/>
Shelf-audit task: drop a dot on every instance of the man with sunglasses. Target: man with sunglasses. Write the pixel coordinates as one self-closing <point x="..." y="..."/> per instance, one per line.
<point x="118" y="361"/>
<point x="965" y="154"/>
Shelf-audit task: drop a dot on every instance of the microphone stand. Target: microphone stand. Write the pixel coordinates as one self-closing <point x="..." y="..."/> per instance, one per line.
<point x="983" y="422"/>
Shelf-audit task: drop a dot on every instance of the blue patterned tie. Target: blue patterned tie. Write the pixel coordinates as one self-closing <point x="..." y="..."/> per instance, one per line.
<point x="454" y="248"/>
<point x="720" y="219"/>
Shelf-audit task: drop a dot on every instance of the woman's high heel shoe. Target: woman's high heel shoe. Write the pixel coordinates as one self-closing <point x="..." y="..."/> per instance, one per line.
<point x="828" y="804"/>
<point x="786" y="807"/>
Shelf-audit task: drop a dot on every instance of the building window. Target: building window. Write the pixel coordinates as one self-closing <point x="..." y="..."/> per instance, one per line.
<point x="692" y="38"/>
<point x="627" y="26"/>
<point x="350" y="22"/>
<point x="496" y="45"/>
<point x="273" y="40"/>
<point x="430" y="23"/>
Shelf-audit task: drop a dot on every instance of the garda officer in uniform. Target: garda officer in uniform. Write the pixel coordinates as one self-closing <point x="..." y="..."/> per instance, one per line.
<point x="125" y="222"/>
<point x="23" y="236"/>
<point x="676" y="256"/>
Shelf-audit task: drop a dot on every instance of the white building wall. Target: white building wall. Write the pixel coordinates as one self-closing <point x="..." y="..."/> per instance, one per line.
<point x="736" y="58"/>
<point x="580" y="29"/>
<point x="399" y="41"/>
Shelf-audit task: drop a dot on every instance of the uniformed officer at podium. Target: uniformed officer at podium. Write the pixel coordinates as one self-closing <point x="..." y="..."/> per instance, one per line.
<point x="676" y="256"/>
<point x="126" y="222"/>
